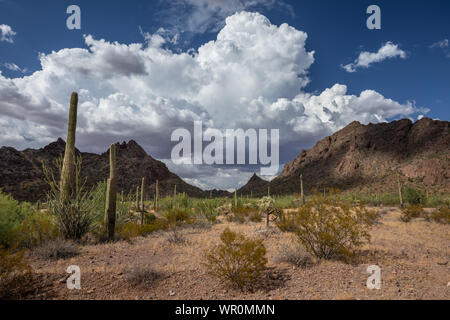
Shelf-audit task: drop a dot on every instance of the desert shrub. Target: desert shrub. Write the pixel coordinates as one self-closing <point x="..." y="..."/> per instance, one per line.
<point x="14" y="274"/>
<point x="412" y="195"/>
<point x="296" y="255"/>
<point x="224" y="209"/>
<point x="441" y="215"/>
<point x="255" y="216"/>
<point x="12" y="213"/>
<point x="328" y="230"/>
<point x="237" y="260"/>
<point x="132" y="229"/>
<point x="140" y="275"/>
<point x="129" y="230"/>
<point x="76" y="213"/>
<point x="158" y="224"/>
<point x="367" y="217"/>
<point x="175" y="237"/>
<point x="238" y="216"/>
<point x="411" y="211"/>
<point x="436" y="201"/>
<point x="57" y="249"/>
<point x="177" y="215"/>
<point x="35" y="229"/>
<point x="286" y="202"/>
<point x="207" y="210"/>
<point x="180" y="201"/>
<point x="123" y="212"/>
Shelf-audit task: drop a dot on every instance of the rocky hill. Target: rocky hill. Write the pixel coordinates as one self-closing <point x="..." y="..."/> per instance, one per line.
<point x="365" y="158"/>
<point x="254" y="187"/>
<point x="21" y="173"/>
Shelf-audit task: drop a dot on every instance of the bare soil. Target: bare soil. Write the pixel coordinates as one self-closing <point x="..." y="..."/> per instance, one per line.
<point x="413" y="257"/>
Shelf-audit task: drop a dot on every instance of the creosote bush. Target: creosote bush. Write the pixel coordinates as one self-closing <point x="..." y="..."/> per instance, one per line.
<point x="328" y="229"/>
<point x="411" y="211"/>
<point x="14" y="274"/>
<point x="237" y="260"/>
<point x="441" y="215"/>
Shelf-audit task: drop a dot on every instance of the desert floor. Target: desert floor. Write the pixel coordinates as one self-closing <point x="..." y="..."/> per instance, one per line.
<point x="413" y="257"/>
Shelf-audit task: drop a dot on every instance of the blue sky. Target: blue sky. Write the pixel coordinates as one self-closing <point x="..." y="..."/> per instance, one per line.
<point x="336" y="32"/>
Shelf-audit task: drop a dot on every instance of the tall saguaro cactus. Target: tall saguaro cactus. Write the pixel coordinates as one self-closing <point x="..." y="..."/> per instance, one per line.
<point x="399" y="190"/>
<point x="156" y="195"/>
<point x="235" y="198"/>
<point x="142" y="208"/>
<point x="137" y="198"/>
<point x="302" y="195"/>
<point x="67" y="183"/>
<point x="111" y="194"/>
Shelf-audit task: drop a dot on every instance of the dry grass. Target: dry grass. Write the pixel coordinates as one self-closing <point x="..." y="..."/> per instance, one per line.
<point x="56" y="249"/>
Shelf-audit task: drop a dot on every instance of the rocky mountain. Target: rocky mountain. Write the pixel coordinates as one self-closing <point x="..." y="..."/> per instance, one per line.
<point x="366" y="158"/>
<point x="254" y="187"/>
<point x="21" y="173"/>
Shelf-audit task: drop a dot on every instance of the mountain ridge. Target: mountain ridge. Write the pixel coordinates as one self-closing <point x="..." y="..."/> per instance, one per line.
<point x="365" y="158"/>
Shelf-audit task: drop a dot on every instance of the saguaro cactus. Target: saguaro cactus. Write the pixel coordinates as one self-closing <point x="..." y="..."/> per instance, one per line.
<point x="268" y="190"/>
<point x="142" y="208"/>
<point x="175" y="191"/>
<point x="111" y="194"/>
<point x="156" y="195"/>
<point x="302" y="195"/>
<point x="399" y="189"/>
<point x="235" y="198"/>
<point x="137" y="198"/>
<point x="67" y="183"/>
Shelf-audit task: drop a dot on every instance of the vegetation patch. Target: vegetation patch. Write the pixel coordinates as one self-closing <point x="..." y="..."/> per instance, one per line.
<point x="239" y="261"/>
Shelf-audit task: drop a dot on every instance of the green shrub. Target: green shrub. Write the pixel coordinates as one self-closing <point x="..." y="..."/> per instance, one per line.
<point x="412" y="195"/>
<point x="177" y="215"/>
<point x="12" y="213"/>
<point x="34" y="230"/>
<point x="328" y="230"/>
<point x="237" y="260"/>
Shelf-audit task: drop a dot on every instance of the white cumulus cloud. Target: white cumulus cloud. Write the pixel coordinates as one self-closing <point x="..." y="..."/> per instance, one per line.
<point x="253" y="75"/>
<point x="6" y="33"/>
<point x="365" y="59"/>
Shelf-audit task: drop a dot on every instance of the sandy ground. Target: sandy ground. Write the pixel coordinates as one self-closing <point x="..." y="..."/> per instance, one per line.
<point x="413" y="257"/>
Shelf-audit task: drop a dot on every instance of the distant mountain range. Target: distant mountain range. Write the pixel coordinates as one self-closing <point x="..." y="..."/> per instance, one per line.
<point x="366" y="158"/>
<point x="21" y="173"/>
<point x="360" y="158"/>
